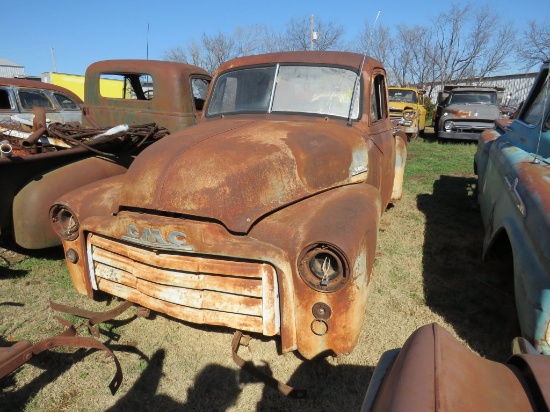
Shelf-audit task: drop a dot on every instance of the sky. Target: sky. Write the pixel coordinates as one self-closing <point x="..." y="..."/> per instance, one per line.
<point x="76" y="33"/>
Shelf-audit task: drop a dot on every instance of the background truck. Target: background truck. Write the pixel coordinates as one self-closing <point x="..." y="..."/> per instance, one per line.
<point x="407" y="107"/>
<point x="464" y="112"/>
<point x="165" y="96"/>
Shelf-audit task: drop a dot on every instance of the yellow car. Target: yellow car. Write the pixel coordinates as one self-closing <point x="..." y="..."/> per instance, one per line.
<point x="407" y="107"/>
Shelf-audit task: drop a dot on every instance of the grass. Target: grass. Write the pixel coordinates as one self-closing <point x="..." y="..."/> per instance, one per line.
<point x="428" y="269"/>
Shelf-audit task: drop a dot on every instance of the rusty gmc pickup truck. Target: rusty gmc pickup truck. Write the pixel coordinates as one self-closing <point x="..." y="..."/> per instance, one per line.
<point x="513" y="167"/>
<point x="164" y="96"/>
<point x="263" y="217"/>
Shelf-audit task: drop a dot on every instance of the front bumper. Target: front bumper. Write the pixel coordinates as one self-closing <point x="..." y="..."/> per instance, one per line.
<point x="459" y="135"/>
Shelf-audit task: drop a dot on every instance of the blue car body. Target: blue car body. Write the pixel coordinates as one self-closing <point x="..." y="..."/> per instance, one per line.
<point x="513" y="166"/>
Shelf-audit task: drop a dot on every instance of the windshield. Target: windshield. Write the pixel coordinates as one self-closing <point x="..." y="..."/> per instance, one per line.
<point x="406" y="96"/>
<point x="290" y="89"/>
<point x="473" y="97"/>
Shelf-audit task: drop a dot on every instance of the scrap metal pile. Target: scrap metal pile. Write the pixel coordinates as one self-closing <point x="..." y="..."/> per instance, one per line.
<point x="14" y="141"/>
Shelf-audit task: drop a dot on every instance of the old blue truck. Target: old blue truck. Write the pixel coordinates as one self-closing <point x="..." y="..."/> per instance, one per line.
<point x="513" y="167"/>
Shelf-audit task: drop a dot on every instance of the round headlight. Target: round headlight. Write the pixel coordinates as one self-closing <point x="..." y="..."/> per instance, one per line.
<point x="448" y="125"/>
<point x="64" y="222"/>
<point x="323" y="267"/>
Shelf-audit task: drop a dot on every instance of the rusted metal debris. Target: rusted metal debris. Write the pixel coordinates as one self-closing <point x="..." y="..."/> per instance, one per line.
<point x="93" y="317"/>
<point x="240" y="339"/>
<point x="21" y="352"/>
<point x="58" y="136"/>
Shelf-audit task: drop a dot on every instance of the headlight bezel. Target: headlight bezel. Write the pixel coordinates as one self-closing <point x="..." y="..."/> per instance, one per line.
<point x="324" y="267"/>
<point x="64" y="221"/>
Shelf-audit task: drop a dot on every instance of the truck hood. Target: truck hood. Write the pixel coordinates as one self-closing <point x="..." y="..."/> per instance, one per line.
<point x="402" y="105"/>
<point x="236" y="171"/>
<point x="473" y="111"/>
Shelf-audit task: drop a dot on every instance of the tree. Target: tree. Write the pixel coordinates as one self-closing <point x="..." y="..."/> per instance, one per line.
<point x="534" y="47"/>
<point x="215" y="49"/>
<point x="298" y="35"/>
<point x="468" y="44"/>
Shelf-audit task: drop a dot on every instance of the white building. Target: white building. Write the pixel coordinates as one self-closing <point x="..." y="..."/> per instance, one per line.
<point x="11" y="69"/>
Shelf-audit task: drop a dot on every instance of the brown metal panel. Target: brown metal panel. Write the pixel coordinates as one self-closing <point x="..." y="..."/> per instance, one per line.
<point x="435" y="372"/>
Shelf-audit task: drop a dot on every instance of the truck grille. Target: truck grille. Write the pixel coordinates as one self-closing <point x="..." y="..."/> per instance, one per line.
<point x="206" y="290"/>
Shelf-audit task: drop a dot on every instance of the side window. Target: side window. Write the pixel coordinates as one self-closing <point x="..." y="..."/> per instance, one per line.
<point x="34" y="98"/>
<point x="378" y="98"/>
<point x="199" y="86"/>
<point x="5" y="103"/>
<point x="65" y="102"/>
<point x="534" y="109"/>
<point x="128" y="87"/>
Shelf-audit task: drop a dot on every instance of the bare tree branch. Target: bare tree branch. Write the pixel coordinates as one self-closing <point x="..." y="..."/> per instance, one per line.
<point x="298" y="34"/>
<point x="534" y="47"/>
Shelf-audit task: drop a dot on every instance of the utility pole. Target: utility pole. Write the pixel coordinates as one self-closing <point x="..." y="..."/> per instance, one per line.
<point x="312" y="33"/>
<point x="53" y="58"/>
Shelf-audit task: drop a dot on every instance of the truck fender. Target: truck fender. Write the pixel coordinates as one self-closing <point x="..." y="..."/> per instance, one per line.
<point x="400" y="161"/>
<point x="31" y="205"/>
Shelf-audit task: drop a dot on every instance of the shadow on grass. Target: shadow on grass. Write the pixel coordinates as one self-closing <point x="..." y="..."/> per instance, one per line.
<point x="9" y="273"/>
<point x="329" y="387"/>
<point x="217" y="388"/>
<point x="475" y="297"/>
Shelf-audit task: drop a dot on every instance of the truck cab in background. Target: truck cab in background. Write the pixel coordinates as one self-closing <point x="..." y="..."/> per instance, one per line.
<point x="408" y="108"/>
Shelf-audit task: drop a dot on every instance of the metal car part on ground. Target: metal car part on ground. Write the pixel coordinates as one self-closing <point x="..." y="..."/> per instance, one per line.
<point x="435" y="372"/>
<point x="42" y="167"/>
<point x="408" y="108"/>
<point x="465" y="112"/>
<point x="262" y="218"/>
<point x="21" y="352"/>
<point x="513" y="167"/>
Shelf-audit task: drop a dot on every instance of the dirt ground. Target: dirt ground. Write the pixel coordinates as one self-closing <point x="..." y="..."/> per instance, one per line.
<point x="428" y="269"/>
